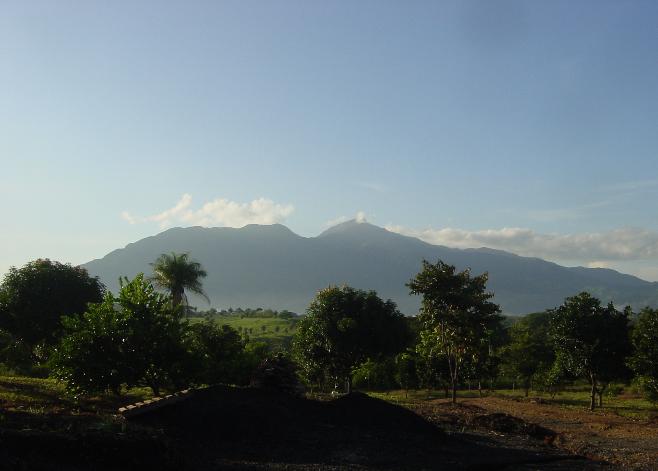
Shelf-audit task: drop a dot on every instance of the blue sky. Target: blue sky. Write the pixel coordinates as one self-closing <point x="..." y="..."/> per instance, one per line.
<point x="526" y="126"/>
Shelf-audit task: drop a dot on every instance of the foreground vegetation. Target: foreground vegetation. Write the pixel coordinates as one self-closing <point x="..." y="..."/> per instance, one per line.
<point x="98" y="342"/>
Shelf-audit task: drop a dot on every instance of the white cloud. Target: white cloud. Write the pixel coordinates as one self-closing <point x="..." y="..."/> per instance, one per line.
<point x="598" y="264"/>
<point x="218" y="212"/>
<point x="598" y="248"/>
<point x="359" y="217"/>
<point x="336" y="221"/>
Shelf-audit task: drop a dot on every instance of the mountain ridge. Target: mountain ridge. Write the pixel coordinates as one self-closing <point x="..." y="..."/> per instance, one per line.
<point x="271" y="266"/>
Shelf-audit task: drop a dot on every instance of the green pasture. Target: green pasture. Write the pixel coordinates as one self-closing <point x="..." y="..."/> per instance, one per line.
<point x="266" y="329"/>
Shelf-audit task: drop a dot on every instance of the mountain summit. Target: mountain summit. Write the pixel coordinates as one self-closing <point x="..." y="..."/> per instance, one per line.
<point x="271" y="266"/>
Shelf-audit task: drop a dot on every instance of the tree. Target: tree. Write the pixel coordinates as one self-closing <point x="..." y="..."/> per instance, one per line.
<point x="456" y="314"/>
<point x="644" y="360"/>
<point x="431" y="363"/>
<point x="343" y="328"/>
<point x="137" y="338"/>
<point x="405" y="373"/>
<point x="35" y="297"/>
<point x="220" y="353"/>
<point x="176" y="273"/>
<point x="590" y="341"/>
<point x="529" y="351"/>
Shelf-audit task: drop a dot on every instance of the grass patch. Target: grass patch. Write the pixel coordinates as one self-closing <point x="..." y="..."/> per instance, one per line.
<point x="48" y="396"/>
<point x="272" y="330"/>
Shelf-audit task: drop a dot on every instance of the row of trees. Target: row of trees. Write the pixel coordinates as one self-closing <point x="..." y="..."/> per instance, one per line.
<point x="140" y="338"/>
<point x="57" y="320"/>
<point x="460" y="337"/>
<point x="55" y="317"/>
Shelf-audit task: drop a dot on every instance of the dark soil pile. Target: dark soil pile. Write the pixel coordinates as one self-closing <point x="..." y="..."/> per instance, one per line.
<point x="247" y="428"/>
<point x="255" y="425"/>
<point x="231" y="428"/>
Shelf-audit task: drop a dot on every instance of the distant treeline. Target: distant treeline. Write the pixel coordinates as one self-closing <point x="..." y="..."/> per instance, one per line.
<point x="248" y="313"/>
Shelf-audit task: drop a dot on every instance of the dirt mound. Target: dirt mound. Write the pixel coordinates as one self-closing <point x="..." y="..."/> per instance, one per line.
<point x="362" y="410"/>
<point x="251" y="424"/>
<point x="247" y="428"/>
<point x="505" y="423"/>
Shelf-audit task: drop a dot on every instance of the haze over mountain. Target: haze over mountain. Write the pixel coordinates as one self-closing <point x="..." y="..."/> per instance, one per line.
<point x="270" y="266"/>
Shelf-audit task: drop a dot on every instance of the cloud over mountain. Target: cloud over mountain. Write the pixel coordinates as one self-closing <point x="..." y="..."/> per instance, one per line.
<point x="218" y="212"/>
<point x="594" y="249"/>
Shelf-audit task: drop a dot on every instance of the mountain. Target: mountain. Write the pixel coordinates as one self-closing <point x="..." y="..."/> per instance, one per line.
<point x="271" y="266"/>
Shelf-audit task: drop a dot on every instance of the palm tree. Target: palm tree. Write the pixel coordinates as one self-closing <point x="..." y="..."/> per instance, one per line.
<point x="177" y="273"/>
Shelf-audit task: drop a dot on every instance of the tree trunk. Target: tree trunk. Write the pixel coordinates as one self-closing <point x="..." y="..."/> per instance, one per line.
<point x="480" y="388"/>
<point x="601" y="399"/>
<point x="454" y="391"/>
<point x="592" y="399"/>
<point x="349" y="384"/>
<point x="176" y="297"/>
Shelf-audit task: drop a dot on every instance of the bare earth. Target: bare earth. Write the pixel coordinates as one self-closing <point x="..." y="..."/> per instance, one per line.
<point x="623" y="442"/>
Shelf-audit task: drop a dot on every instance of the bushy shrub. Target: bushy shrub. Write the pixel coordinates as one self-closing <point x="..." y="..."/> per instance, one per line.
<point x="277" y="373"/>
<point x="376" y="375"/>
<point x="220" y="354"/>
<point x="136" y="339"/>
<point x="32" y="300"/>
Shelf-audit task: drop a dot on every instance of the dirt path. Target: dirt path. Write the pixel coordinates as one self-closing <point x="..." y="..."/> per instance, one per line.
<point x="630" y="443"/>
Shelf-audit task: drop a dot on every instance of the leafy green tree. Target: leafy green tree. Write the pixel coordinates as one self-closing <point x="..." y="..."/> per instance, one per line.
<point x="431" y="363"/>
<point x="590" y="341"/>
<point x="456" y="314"/>
<point x="220" y="351"/>
<point x="644" y="360"/>
<point x="484" y="365"/>
<point x="343" y="328"/>
<point x="137" y="338"/>
<point x="376" y="375"/>
<point x="35" y="297"/>
<point x="529" y="352"/>
<point x="93" y="357"/>
<point x="176" y="273"/>
<point x="405" y="371"/>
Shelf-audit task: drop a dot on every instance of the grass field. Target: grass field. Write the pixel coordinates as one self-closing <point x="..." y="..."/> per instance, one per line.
<point x="272" y="330"/>
<point x="38" y="395"/>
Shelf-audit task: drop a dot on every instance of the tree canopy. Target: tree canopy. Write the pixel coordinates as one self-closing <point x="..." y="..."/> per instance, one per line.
<point x="343" y="328"/>
<point x="644" y="360"/>
<point x="591" y="341"/>
<point x="136" y="338"/>
<point x="529" y="352"/>
<point x="176" y="273"/>
<point x="35" y="297"/>
<point x="456" y="314"/>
